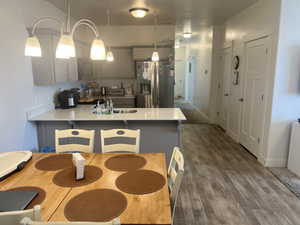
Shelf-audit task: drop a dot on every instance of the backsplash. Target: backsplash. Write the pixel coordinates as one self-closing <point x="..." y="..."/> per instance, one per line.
<point x="117" y="83"/>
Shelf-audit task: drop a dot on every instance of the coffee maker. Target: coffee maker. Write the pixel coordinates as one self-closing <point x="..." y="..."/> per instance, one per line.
<point x="68" y="98"/>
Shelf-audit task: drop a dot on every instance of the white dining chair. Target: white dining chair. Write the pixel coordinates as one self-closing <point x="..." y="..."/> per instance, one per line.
<point x="175" y="176"/>
<point x="117" y="133"/>
<point x="14" y="217"/>
<point x="74" y="133"/>
<point x="28" y="221"/>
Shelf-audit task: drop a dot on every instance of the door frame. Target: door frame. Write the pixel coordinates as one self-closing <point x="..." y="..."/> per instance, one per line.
<point x="268" y="100"/>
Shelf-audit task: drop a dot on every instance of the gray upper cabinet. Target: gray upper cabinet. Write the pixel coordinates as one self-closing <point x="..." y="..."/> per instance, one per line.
<point x="72" y="69"/>
<point x="43" y="67"/>
<point x="47" y="69"/>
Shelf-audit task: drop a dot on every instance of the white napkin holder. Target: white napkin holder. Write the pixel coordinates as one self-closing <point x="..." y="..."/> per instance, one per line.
<point x="79" y="163"/>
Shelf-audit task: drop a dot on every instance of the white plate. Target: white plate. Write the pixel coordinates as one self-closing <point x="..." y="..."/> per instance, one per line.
<point x="10" y="161"/>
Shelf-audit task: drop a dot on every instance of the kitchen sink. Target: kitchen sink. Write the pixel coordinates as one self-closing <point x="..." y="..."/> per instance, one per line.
<point x="125" y="111"/>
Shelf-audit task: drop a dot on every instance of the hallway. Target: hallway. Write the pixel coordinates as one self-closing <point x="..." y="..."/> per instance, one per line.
<point x="224" y="184"/>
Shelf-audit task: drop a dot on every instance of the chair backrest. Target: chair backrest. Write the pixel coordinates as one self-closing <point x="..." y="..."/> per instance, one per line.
<point x="14" y="217"/>
<point x="74" y="133"/>
<point x="28" y="221"/>
<point x="175" y="175"/>
<point x="116" y="133"/>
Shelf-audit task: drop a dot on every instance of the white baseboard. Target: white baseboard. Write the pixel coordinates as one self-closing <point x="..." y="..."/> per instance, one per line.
<point x="281" y="163"/>
<point x="233" y="136"/>
<point x="203" y="115"/>
<point x="37" y="110"/>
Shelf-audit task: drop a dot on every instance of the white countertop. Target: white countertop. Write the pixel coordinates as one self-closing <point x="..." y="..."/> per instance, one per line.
<point x="84" y="113"/>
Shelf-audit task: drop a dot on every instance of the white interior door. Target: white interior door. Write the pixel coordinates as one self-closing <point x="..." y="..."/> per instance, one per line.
<point x="190" y="84"/>
<point x="224" y="86"/>
<point x="179" y="78"/>
<point x="255" y="77"/>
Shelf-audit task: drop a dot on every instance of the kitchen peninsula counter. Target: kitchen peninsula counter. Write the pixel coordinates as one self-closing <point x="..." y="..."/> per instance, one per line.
<point x="84" y="113"/>
<point x="160" y="127"/>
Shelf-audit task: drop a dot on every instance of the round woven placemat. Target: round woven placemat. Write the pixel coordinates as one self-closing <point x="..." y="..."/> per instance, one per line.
<point x="125" y="162"/>
<point x="55" y="162"/>
<point x="37" y="200"/>
<point x="99" y="205"/>
<point x="140" y="182"/>
<point x="66" y="177"/>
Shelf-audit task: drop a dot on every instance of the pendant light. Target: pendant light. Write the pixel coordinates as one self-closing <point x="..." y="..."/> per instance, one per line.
<point x="33" y="47"/>
<point x="66" y="47"/>
<point x="155" y="55"/>
<point x="98" y="51"/>
<point x="110" y="55"/>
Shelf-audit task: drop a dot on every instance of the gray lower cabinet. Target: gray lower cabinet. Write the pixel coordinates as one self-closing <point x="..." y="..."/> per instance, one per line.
<point x="48" y="69"/>
<point x="156" y="136"/>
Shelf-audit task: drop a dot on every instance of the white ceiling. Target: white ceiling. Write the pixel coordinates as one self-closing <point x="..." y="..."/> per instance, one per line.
<point x="200" y="12"/>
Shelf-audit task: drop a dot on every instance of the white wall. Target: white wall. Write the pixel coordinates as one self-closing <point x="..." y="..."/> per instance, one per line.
<point x="218" y="43"/>
<point x="199" y="50"/>
<point x="17" y="91"/>
<point x="286" y="99"/>
<point x="257" y="20"/>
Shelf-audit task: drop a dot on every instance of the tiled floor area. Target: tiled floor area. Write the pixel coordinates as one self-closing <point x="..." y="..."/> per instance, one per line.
<point x="224" y="184"/>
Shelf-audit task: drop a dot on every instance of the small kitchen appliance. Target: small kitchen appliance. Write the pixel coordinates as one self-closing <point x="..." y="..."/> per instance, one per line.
<point x="68" y="98"/>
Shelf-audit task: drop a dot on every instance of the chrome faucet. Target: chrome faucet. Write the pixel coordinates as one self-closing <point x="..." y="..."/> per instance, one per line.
<point x="104" y="108"/>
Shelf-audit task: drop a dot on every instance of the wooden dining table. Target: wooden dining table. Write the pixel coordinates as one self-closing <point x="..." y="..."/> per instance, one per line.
<point x="152" y="208"/>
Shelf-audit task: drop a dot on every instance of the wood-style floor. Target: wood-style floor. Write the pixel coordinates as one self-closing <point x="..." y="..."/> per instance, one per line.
<point x="224" y="184"/>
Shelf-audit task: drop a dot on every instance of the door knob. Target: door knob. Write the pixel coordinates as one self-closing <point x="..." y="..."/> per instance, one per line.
<point x="241" y="100"/>
<point x="226" y="94"/>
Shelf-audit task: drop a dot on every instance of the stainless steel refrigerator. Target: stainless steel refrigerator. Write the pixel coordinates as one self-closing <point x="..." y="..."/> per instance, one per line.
<point x="155" y="84"/>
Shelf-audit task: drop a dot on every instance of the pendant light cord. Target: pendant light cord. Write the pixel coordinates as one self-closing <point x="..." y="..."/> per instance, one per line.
<point x="108" y="22"/>
<point x="68" y="25"/>
<point x="155" y="30"/>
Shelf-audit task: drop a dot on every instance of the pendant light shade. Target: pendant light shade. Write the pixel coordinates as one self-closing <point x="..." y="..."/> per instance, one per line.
<point x="98" y="51"/>
<point x="33" y="47"/>
<point x="110" y="56"/>
<point x="155" y="56"/>
<point x="65" y="48"/>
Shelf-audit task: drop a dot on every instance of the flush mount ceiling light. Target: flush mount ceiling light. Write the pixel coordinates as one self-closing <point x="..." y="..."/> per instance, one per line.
<point x="66" y="47"/>
<point x="187" y="34"/>
<point x="138" y="12"/>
